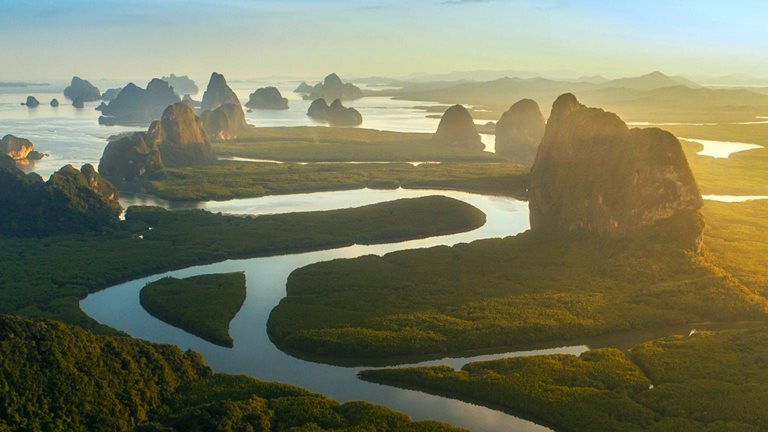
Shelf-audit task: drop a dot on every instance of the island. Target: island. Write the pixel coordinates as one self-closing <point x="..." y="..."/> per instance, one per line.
<point x="202" y="305"/>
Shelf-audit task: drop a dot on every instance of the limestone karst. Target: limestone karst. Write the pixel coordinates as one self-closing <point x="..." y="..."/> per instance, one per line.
<point x="177" y="139"/>
<point x="457" y="129"/>
<point x="519" y="131"/>
<point x="595" y="176"/>
<point x="80" y="88"/>
<point x="335" y="114"/>
<point x="267" y="98"/>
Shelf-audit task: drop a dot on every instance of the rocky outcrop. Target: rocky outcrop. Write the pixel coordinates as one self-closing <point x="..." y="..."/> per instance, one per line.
<point x="594" y="176"/>
<point x="177" y="139"/>
<point x="218" y="93"/>
<point x="267" y="98"/>
<point x="457" y="129"/>
<point x="80" y="88"/>
<point x="336" y="114"/>
<point x="519" y="132"/>
<point x="181" y="84"/>
<point x="102" y="106"/>
<point x="16" y="148"/>
<point x="32" y="102"/>
<point x="333" y="88"/>
<point x="111" y="94"/>
<point x="77" y="102"/>
<point x="135" y="105"/>
<point x="224" y="123"/>
<point x="303" y="88"/>
<point x="71" y="201"/>
<point x="54" y="102"/>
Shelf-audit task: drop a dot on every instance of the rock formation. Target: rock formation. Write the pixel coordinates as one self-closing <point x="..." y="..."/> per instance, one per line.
<point x="333" y="88"/>
<point x="110" y="94"/>
<point x="54" y="102"/>
<point x="457" y="129"/>
<point x="102" y="106"/>
<point x="594" y="176"/>
<point x="77" y="102"/>
<point x="177" y="139"/>
<point x="336" y="114"/>
<point x="135" y="105"/>
<point x="267" y="98"/>
<point x="218" y="93"/>
<point x="519" y="131"/>
<point x="181" y="84"/>
<point x="31" y="102"/>
<point x="303" y="88"/>
<point x="224" y="123"/>
<point x="16" y="148"/>
<point x="71" y="201"/>
<point x="80" y="88"/>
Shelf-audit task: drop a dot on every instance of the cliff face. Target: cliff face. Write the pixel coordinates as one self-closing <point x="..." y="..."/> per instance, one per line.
<point x="80" y="88"/>
<point x="16" y="148"/>
<point x="593" y="175"/>
<point x="177" y="139"/>
<point x="71" y="201"/>
<point x="217" y="94"/>
<point x="519" y="131"/>
<point x="136" y="105"/>
<point x="181" y="84"/>
<point x="456" y="129"/>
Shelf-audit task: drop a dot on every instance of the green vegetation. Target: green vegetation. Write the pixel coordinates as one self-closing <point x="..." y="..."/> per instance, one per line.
<point x="226" y="180"/>
<point x="202" y="305"/>
<point x="709" y="381"/>
<point x="499" y="294"/>
<point x="46" y="278"/>
<point x="60" y="378"/>
<point x="328" y="144"/>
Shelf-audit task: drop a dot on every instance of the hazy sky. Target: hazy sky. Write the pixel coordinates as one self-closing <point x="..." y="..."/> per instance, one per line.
<point x="131" y="39"/>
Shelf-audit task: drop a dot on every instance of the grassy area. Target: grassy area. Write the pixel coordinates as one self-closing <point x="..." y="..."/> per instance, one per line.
<point x="64" y="379"/>
<point x="328" y="144"/>
<point x="46" y="277"/>
<point x="202" y="305"/>
<point x="709" y="381"/>
<point x="500" y="294"/>
<point x="226" y="180"/>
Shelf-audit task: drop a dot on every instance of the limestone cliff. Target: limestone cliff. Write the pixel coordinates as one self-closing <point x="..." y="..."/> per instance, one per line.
<point x="80" y="88"/>
<point x="135" y="105"/>
<point x="225" y="122"/>
<point x="217" y="94"/>
<point x="457" y="129"/>
<point x="336" y="114"/>
<point x="519" y="131"/>
<point x="593" y="175"/>
<point x="267" y="98"/>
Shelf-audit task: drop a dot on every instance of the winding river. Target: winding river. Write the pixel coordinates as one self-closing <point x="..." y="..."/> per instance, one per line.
<point x="254" y="354"/>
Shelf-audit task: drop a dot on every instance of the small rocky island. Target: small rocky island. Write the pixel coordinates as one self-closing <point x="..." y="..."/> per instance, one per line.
<point x="31" y="102"/>
<point x="336" y="114"/>
<point x="594" y="175"/>
<point x="83" y="90"/>
<point x="177" y="139"/>
<point x="135" y="105"/>
<point x="519" y="132"/>
<point x="20" y="150"/>
<point x="303" y="88"/>
<point x="182" y="85"/>
<point x="267" y="98"/>
<point x="332" y="88"/>
<point x="457" y="129"/>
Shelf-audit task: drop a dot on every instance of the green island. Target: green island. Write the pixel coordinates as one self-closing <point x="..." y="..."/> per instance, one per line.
<point x="707" y="381"/>
<point x="228" y="179"/>
<point x="61" y="378"/>
<point x="152" y="240"/>
<point x="460" y="298"/>
<point x="202" y="305"/>
<point x="333" y="144"/>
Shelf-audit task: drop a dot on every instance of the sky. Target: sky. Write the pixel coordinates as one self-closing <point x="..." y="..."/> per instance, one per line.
<point x="131" y="39"/>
